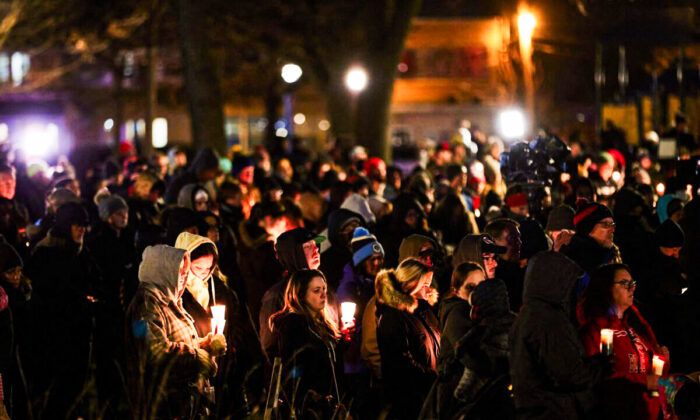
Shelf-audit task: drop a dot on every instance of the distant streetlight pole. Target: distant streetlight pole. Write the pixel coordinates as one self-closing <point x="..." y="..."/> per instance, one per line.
<point x="526" y="27"/>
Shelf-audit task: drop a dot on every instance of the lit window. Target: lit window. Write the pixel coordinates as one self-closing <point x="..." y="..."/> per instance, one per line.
<point x="160" y="132"/>
<point x="4" y="68"/>
<point x="19" y="67"/>
<point x="130" y="130"/>
<point x="141" y="128"/>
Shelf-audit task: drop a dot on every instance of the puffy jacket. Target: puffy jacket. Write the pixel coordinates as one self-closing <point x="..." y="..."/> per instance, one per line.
<point x="551" y="377"/>
<point x="409" y="342"/>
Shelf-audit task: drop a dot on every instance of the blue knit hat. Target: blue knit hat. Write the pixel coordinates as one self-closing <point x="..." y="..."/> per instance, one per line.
<point x="364" y="245"/>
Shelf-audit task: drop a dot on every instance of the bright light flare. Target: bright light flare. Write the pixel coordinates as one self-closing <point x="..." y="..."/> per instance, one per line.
<point x="4" y="132"/>
<point x="526" y="24"/>
<point x="356" y="79"/>
<point x="299" y="118"/>
<point x="511" y="124"/>
<point x="39" y="140"/>
<point x="281" y="132"/>
<point x="291" y="73"/>
<point x="324" y="125"/>
<point x="108" y="124"/>
<point x="616" y="176"/>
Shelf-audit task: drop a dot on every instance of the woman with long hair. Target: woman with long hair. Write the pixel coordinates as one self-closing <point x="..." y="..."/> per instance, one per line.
<point x="608" y="302"/>
<point x="407" y="334"/>
<point x="306" y="337"/>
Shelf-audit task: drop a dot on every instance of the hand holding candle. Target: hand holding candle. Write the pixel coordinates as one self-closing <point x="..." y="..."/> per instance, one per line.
<point x="606" y="341"/>
<point x="347" y="315"/>
<point x="218" y="320"/>
<point x="657" y="369"/>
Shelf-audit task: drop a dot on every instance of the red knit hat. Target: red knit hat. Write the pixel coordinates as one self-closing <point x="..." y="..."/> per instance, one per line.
<point x="589" y="215"/>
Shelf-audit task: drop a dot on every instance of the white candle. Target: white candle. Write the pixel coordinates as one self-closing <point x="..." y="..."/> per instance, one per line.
<point x="606" y="341"/>
<point x="218" y="320"/>
<point x="347" y="312"/>
<point x="657" y="364"/>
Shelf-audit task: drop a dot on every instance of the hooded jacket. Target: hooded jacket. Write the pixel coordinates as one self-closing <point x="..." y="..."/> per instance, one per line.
<point x="409" y="343"/>
<point x="551" y="378"/>
<point x="162" y="337"/>
<point x="244" y="355"/>
<point x="187" y="195"/>
<point x="333" y="260"/>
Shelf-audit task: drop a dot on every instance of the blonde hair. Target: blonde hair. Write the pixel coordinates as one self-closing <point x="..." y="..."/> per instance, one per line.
<point x="406" y="279"/>
<point x="294" y="296"/>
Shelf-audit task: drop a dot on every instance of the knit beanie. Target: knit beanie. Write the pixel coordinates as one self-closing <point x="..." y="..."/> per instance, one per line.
<point x="589" y="215"/>
<point x="490" y="299"/>
<point x="560" y="218"/>
<point x="669" y="235"/>
<point x="108" y="205"/>
<point x="364" y="245"/>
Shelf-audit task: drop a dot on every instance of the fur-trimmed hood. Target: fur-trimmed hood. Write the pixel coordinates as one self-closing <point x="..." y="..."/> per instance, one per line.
<point x="389" y="292"/>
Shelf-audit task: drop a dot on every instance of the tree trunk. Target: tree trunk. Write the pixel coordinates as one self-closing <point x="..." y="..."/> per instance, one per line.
<point x="340" y="108"/>
<point x="372" y="116"/>
<point x="118" y="91"/>
<point x="202" y="84"/>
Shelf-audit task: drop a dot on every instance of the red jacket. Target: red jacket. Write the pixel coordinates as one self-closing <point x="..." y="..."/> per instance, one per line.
<point x="624" y="395"/>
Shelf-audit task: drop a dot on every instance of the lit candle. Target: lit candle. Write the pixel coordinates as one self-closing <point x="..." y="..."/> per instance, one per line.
<point x="347" y="313"/>
<point x="218" y="320"/>
<point x="657" y="365"/>
<point x="606" y="341"/>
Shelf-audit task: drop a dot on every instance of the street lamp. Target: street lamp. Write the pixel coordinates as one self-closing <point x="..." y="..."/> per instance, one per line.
<point x="356" y="79"/>
<point x="526" y="25"/>
<point x="291" y="73"/>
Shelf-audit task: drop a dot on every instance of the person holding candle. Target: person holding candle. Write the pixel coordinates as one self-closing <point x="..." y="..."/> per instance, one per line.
<point x="608" y="303"/>
<point x="205" y="288"/>
<point x="306" y="338"/>
<point x="408" y="335"/>
<point x="168" y="364"/>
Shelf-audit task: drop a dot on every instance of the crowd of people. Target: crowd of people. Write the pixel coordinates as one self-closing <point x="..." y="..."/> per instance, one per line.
<point x="329" y="284"/>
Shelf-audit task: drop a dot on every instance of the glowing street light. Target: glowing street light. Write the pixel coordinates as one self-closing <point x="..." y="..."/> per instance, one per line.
<point x="356" y="79"/>
<point x="511" y="124"/>
<point x="291" y="73"/>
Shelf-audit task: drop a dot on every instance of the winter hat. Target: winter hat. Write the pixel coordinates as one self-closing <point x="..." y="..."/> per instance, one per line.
<point x="9" y="258"/>
<point x="373" y="164"/>
<point x="588" y="215"/>
<point x="290" y="250"/>
<point x="560" y="218"/>
<point x="364" y="245"/>
<point x="110" y="204"/>
<point x="71" y="214"/>
<point x="61" y="196"/>
<point x="239" y="163"/>
<point x="669" y="235"/>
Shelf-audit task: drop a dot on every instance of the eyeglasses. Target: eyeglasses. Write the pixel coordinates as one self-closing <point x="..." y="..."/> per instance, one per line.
<point x="607" y="225"/>
<point x="627" y="284"/>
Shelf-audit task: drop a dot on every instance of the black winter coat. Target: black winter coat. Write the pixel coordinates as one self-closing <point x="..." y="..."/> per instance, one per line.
<point x="408" y="344"/>
<point x="306" y="357"/>
<point x="239" y="376"/>
<point x="586" y="252"/>
<point x="551" y="378"/>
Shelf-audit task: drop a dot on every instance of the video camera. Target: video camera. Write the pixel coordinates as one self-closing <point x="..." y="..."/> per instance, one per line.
<point x="534" y="166"/>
